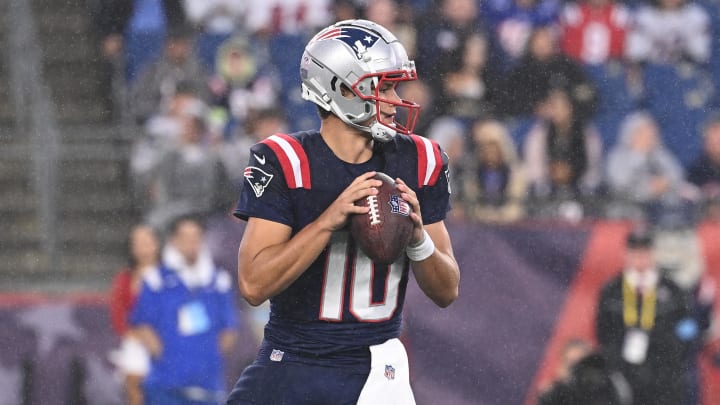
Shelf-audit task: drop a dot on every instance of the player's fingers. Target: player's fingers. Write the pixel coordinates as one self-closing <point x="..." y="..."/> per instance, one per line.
<point x="417" y="220"/>
<point x="402" y="186"/>
<point x="364" y="177"/>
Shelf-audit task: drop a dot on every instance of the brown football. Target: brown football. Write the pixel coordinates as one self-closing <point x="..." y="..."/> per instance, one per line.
<point x="385" y="231"/>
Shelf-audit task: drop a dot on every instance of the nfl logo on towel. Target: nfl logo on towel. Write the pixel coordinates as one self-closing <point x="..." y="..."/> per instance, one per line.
<point x="276" y="355"/>
<point x="389" y="372"/>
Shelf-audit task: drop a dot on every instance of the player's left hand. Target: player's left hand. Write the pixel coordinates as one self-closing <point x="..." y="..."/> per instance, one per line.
<point x="409" y="195"/>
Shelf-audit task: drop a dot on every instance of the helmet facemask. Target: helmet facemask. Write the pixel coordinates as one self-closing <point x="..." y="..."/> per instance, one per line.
<point x="369" y="87"/>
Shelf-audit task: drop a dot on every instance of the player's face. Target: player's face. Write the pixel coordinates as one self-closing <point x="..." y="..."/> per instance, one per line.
<point x="188" y="240"/>
<point x="388" y="91"/>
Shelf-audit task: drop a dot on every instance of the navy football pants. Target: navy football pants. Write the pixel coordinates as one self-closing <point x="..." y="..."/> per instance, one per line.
<point x="293" y="383"/>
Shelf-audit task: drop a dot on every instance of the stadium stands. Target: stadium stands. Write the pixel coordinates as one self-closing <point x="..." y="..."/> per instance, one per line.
<point x="615" y="98"/>
<point x="679" y="98"/>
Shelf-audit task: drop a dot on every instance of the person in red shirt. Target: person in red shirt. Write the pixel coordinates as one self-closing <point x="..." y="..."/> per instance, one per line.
<point x="132" y="358"/>
<point x="593" y="31"/>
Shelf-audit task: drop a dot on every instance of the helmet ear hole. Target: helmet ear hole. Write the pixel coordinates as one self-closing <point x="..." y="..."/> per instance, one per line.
<point x="333" y="82"/>
<point x="346" y="92"/>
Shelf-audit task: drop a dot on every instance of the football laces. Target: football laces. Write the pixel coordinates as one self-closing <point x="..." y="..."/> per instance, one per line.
<point x="374" y="211"/>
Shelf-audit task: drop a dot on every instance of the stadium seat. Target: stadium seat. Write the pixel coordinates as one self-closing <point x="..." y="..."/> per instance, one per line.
<point x="615" y="99"/>
<point x="713" y="9"/>
<point x="679" y="97"/>
<point x="285" y="53"/>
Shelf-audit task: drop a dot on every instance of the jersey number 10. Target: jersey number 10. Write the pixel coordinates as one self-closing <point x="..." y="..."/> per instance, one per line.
<point x="362" y="306"/>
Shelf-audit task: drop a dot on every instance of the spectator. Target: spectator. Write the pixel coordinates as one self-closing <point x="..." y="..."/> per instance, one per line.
<point x="572" y="352"/>
<point x="189" y="177"/>
<point x="668" y="32"/>
<point x="641" y="171"/>
<point x="162" y="132"/>
<point x="185" y="315"/>
<point x="159" y="81"/>
<point x="469" y="88"/>
<point x="563" y="156"/>
<point x="541" y="69"/>
<point x="511" y="23"/>
<point x="705" y="171"/>
<point x="216" y="21"/>
<point x="589" y="382"/>
<point x="386" y="13"/>
<point x="702" y="307"/>
<point x="594" y="31"/>
<point x="294" y="17"/>
<point x="132" y="359"/>
<point x="346" y="9"/>
<point x="451" y="135"/>
<point x="442" y="33"/>
<point x="236" y="152"/>
<point x="242" y="85"/>
<point x="492" y="185"/>
<point x="136" y="28"/>
<point x="645" y="327"/>
<point x="419" y="92"/>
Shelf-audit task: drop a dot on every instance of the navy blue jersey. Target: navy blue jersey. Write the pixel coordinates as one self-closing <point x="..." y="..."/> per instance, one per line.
<point x="343" y="301"/>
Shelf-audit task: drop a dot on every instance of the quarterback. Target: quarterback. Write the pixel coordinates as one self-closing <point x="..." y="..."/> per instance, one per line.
<point x="335" y="316"/>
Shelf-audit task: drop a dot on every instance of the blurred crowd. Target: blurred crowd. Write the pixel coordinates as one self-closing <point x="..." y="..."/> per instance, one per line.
<point x="548" y="109"/>
<point x="568" y="111"/>
<point x="564" y="110"/>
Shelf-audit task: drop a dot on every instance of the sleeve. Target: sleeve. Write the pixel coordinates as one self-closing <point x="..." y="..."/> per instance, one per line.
<point x="435" y="198"/>
<point x="602" y="319"/>
<point x="609" y="326"/>
<point x="119" y="298"/>
<point x="264" y="193"/>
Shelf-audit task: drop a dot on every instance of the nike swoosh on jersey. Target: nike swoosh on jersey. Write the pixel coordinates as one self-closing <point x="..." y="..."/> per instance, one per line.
<point x="260" y="160"/>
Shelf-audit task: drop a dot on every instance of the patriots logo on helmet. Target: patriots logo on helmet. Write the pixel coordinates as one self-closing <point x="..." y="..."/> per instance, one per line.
<point x="258" y="179"/>
<point x="357" y="39"/>
<point x="399" y="206"/>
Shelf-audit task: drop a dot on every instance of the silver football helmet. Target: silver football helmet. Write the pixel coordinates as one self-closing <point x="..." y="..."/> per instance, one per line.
<point x="359" y="56"/>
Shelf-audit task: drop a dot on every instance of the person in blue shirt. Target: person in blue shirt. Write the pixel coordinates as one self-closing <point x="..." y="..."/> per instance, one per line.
<point x="335" y="316"/>
<point x="185" y="316"/>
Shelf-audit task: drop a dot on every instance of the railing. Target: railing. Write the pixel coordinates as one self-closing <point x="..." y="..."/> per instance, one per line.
<point x="35" y="115"/>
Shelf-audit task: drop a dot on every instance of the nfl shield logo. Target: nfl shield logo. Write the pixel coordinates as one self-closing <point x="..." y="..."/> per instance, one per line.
<point x="276" y="355"/>
<point x="399" y="206"/>
<point x="389" y="372"/>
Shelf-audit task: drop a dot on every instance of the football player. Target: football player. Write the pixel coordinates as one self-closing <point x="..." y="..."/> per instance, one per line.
<point x="335" y="318"/>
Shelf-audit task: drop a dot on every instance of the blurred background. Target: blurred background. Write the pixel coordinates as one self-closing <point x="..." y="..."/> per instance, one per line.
<point x="568" y="124"/>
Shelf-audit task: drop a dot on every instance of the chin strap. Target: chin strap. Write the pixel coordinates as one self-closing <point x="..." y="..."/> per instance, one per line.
<point x="382" y="133"/>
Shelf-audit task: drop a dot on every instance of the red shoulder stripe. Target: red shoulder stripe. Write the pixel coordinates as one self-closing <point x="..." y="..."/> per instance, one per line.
<point x="429" y="160"/>
<point x="292" y="158"/>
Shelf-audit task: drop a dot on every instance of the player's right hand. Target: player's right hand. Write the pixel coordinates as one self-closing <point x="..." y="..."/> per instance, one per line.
<point x="336" y="215"/>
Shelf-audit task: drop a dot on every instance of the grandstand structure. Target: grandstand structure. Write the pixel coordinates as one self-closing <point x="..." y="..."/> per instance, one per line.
<point x="64" y="209"/>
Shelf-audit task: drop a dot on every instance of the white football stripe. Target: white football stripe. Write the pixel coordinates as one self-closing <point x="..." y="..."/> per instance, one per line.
<point x="431" y="162"/>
